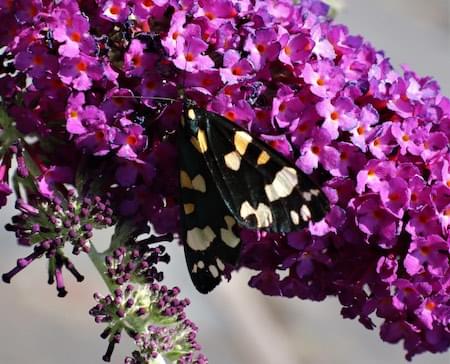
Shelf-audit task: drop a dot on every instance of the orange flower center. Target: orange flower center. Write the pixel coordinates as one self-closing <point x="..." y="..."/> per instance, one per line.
<point x="147" y="3"/>
<point x="38" y="60"/>
<point x="150" y="85"/>
<point x="190" y="57"/>
<point x="33" y="11"/>
<point x="82" y="66"/>
<point x="76" y="37"/>
<point x="423" y="218"/>
<point x="230" y="115"/>
<point x="334" y="115"/>
<point x="114" y="10"/>
<point x="57" y="84"/>
<point x="302" y="127"/>
<point x="207" y="82"/>
<point x="136" y="60"/>
<point x="377" y="214"/>
<point x="320" y="82"/>
<point x="237" y="71"/>
<point x="408" y="290"/>
<point x="430" y="305"/>
<point x="315" y="149"/>
<point x="394" y="196"/>
<point x="260" y="114"/>
<point x="425" y="250"/>
<point x="131" y="140"/>
<point x="261" y="48"/>
<point x="118" y="101"/>
<point x="405" y="137"/>
<point x="99" y="135"/>
<point x="360" y="130"/>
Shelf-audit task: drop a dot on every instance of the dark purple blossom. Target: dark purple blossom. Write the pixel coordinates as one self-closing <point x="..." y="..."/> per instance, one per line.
<point x="48" y="224"/>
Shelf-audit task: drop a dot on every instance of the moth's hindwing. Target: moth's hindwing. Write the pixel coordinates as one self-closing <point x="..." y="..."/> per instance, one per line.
<point x="208" y="227"/>
<point x="261" y="188"/>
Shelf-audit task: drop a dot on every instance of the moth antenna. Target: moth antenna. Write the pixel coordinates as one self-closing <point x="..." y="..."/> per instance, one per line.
<point x="183" y="82"/>
<point x="143" y="97"/>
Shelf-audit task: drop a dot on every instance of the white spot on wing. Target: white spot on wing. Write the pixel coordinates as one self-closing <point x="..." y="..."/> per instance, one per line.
<point x="200" y="239"/>
<point x="282" y="185"/>
<point x="201" y="264"/>
<point x="233" y="160"/>
<point x="229" y="238"/>
<point x="262" y="213"/>
<point x="294" y="217"/>
<point x="307" y="196"/>
<point x="227" y="235"/>
<point x="305" y="213"/>
<point x="214" y="271"/>
<point x="220" y="264"/>
<point x="191" y="114"/>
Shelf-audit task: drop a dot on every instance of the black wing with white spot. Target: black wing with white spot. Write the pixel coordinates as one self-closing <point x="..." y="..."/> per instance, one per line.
<point x="261" y="188"/>
<point x="208" y="227"/>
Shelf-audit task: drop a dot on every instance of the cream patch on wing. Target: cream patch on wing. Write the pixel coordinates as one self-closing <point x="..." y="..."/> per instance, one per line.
<point x="188" y="208"/>
<point x="213" y="270"/>
<point x="227" y="235"/>
<point x="241" y="141"/>
<point x="233" y="160"/>
<point x="198" y="183"/>
<point x="220" y="264"/>
<point x="282" y="185"/>
<point x="200" y="239"/>
<point x="262" y="213"/>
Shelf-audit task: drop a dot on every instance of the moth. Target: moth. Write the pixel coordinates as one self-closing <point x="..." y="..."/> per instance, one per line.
<point x="229" y="178"/>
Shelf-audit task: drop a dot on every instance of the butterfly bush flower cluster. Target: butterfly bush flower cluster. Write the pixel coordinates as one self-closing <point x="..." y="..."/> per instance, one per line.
<point x="376" y="140"/>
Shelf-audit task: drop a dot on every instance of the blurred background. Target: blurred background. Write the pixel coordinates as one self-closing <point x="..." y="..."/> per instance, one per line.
<point x="238" y="325"/>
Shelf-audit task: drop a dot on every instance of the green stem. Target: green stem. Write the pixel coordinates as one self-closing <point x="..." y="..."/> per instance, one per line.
<point x="98" y="259"/>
